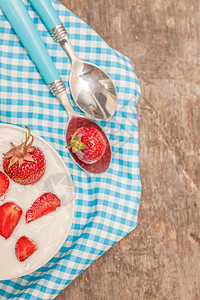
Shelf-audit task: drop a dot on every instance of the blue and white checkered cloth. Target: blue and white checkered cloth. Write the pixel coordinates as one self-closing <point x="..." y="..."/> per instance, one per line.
<point x="106" y="206"/>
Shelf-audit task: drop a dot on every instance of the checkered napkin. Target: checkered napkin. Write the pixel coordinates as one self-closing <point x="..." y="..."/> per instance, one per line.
<point x="106" y="205"/>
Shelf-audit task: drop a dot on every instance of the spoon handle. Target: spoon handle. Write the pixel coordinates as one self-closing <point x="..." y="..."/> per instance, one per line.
<point x="47" y="13"/>
<point x="21" y="22"/>
<point x="54" y="25"/>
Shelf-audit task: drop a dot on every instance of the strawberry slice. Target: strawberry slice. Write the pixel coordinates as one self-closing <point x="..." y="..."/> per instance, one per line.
<point x="4" y="185"/>
<point x="24" y="248"/>
<point x="10" y="215"/>
<point x="43" y="205"/>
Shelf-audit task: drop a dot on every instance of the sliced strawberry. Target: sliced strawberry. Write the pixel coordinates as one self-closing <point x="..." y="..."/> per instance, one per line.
<point x="43" y="205"/>
<point x="4" y="185"/>
<point x="10" y="215"/>
<point x="24" y="248"/>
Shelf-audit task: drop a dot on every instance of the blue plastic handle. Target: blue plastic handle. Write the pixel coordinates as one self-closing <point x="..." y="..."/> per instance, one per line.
<point x="46" y="12"/>
<point x="21" y="22"/>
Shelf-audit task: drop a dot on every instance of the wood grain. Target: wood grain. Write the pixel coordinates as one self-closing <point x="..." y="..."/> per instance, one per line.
<point x="161" y="258"/>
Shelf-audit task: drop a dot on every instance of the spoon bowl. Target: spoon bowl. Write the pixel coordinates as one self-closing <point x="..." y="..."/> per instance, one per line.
<point x="92" y="90"/>
<point x="100" y="166"/>
<point x="76" y="120"/>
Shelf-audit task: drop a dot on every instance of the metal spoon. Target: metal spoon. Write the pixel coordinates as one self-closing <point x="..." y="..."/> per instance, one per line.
<point x="92" y="89"/>
<point x="21" y="22"/>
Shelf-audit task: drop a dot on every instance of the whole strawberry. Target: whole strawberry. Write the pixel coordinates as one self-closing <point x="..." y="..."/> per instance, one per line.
<point x="88" y="144"/>
<point x="24" y="164"/>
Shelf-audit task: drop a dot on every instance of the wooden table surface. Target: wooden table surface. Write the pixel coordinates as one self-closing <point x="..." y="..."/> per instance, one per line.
<point x="160" y="259"/>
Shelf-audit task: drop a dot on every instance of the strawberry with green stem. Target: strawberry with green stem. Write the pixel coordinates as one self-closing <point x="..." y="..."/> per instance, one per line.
<point x="88" y="144"/>
<point x="24" y="164"/>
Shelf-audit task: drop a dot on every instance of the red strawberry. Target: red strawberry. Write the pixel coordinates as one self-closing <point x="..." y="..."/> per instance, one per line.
<point x="24" y="164"/>
<point x="88" y="144"/>
<point x="43" y="205"/>
<point x="4" y="185"/>
<point x="10" y="215"/>
<point x="24" y="248"/>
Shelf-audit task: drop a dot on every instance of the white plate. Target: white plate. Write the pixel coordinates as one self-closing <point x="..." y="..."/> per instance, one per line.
<point x="48" y="232"/>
